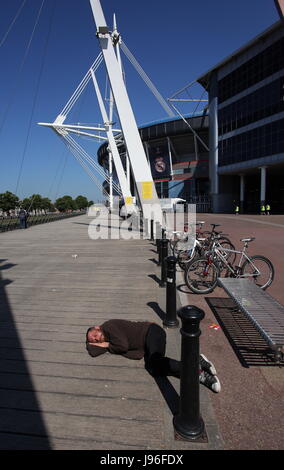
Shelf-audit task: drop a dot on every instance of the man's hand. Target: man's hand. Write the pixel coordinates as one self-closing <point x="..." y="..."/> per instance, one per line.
<point x="104" y="344"/>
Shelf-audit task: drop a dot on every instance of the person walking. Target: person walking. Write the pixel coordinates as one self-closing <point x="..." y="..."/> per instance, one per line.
<point x="23" y="218"/>
<point x="267" y="207"/>
<point x="262" y="209"/>
<point x="237" y="210"/>
<point x="135" y="340"/>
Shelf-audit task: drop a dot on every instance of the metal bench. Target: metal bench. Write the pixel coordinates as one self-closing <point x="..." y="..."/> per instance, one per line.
<point x="266" y="314"/>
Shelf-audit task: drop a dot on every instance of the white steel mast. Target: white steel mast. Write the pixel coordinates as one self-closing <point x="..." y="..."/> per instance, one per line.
<point x="114" y="151"/>
<point x="140" y="167"/>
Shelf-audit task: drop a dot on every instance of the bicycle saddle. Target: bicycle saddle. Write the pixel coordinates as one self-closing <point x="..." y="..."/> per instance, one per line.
<point x="215" y="225"/>
<point x="248" y="239"/>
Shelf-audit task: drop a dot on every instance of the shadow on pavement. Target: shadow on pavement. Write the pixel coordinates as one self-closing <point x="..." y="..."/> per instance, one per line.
<point x="169" y="393"/>
<point x="21" y="424"/>
<point x="183" y="288"/>
<point x="157" y="309"/>
<point x="247" y="343"/>
<point x="155" y="278"/>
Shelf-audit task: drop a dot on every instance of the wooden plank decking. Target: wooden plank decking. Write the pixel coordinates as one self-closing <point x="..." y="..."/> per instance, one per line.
<point x="52" y="394"/>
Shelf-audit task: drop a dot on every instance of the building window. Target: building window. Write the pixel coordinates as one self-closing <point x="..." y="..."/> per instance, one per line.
<point x="263" y="65"/>
<point x="262" y="103"/>
<point x="261" y="142"/>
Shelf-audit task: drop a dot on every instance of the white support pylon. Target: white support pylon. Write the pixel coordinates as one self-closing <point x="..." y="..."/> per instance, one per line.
<point x="140" y="167"/>
<point x="114" y="151"/>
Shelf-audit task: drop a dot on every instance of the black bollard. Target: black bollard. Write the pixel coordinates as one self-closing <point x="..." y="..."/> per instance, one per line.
<point x="152" y="230"/>
<point x="159" y="246"/>
<point x="164" y="255"/>
<point x="158" y="233"/>
<point x="188" y="423"/>
<point x="171" y="320"/>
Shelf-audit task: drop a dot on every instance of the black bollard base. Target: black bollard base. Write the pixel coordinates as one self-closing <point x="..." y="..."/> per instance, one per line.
<point x="198" y="435"/>
<point x="171" y="323"/>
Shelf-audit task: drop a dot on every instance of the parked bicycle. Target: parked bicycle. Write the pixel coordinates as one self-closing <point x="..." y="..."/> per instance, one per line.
<point x="201" y="275"/>
<point x="202" y="243"/>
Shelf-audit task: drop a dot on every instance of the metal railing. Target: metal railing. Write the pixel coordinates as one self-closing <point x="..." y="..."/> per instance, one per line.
<point x="13" y="223"/>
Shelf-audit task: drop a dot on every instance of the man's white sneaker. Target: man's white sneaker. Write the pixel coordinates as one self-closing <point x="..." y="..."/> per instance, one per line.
<point x="210" y="381"/>
<point x="207" y="365"/>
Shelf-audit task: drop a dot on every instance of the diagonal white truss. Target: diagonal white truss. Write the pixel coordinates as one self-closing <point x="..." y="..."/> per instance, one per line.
<point x="69" y="142"/>
<point x="80" y="154"/>
<point x="176" y="97"/>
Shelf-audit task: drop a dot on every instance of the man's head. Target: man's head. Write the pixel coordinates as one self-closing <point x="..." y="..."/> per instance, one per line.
<point x="95" y="335"/>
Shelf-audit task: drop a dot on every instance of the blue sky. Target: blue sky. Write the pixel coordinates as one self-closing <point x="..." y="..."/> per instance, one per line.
<point x="175" y="42"/>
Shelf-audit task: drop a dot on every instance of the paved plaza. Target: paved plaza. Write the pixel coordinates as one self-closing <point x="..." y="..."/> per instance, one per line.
<point x="250" y="408"/>
<point x="55" y="282"/>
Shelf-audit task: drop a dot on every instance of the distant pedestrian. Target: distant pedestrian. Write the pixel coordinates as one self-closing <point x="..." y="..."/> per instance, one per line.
<point x="262" y="209"/>
<point x="237" y="210"/>
<point x="136" y="340"/>
<point x="267" y="209"/>
<point x="23" y="218"/>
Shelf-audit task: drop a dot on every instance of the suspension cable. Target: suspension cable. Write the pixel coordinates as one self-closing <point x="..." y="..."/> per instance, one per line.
<point x="83" y="164"/>
<point x="79" y="90"/>
<point x="77" y="151"/>
<point x="37" y="90"/>
<point x="12" y="24"/>
<point x="61" y="177"/>
<point x="12" y="95"/>
<point x="56" y="174"/>
<point x="147" y="80"/>
<point x="87" y="157"/>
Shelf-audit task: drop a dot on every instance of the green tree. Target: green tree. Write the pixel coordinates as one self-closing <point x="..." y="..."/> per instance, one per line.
<point x="8" y="201"/>
<point x="47" y="205"/>
<point x="65" y="203"/>
<point x="81" y="202"/>
<point x="90" y="203"/>
<point x="26" y="203"/>
<point x="36" y="202"/>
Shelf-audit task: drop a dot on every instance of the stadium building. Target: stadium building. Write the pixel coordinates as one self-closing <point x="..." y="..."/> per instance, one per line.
<point x="178" y="159"/>
<point x="246" y="125"/>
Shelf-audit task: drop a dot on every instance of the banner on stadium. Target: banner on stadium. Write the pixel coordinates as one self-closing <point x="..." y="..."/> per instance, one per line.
<point x="160" y="161"/>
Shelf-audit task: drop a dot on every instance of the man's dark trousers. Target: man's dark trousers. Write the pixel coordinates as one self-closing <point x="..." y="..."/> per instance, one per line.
<point x="156" y="363"/>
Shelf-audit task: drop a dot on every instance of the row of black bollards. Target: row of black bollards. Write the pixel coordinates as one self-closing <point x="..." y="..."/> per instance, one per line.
<point x="188" y="423"/>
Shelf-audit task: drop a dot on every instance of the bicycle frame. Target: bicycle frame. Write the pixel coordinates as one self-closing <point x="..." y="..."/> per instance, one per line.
<point x="242" y="259"/>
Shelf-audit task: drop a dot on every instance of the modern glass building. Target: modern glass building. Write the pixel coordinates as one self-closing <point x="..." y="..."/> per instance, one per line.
<point x="178" y="158"/>
<point x="246" y="125"/>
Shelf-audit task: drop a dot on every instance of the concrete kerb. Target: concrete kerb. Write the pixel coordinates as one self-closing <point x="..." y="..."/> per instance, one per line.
<point x="215" y="440"/>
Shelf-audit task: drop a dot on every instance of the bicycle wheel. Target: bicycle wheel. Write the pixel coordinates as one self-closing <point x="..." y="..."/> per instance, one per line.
<point x="179" y="246"/>
<point x="260" y="270"/>
<point x="201" y="277"/>
<point x="185" y="257"/>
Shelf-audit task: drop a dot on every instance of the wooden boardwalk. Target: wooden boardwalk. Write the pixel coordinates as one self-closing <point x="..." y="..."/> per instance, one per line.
<point x="53" y="395"/>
